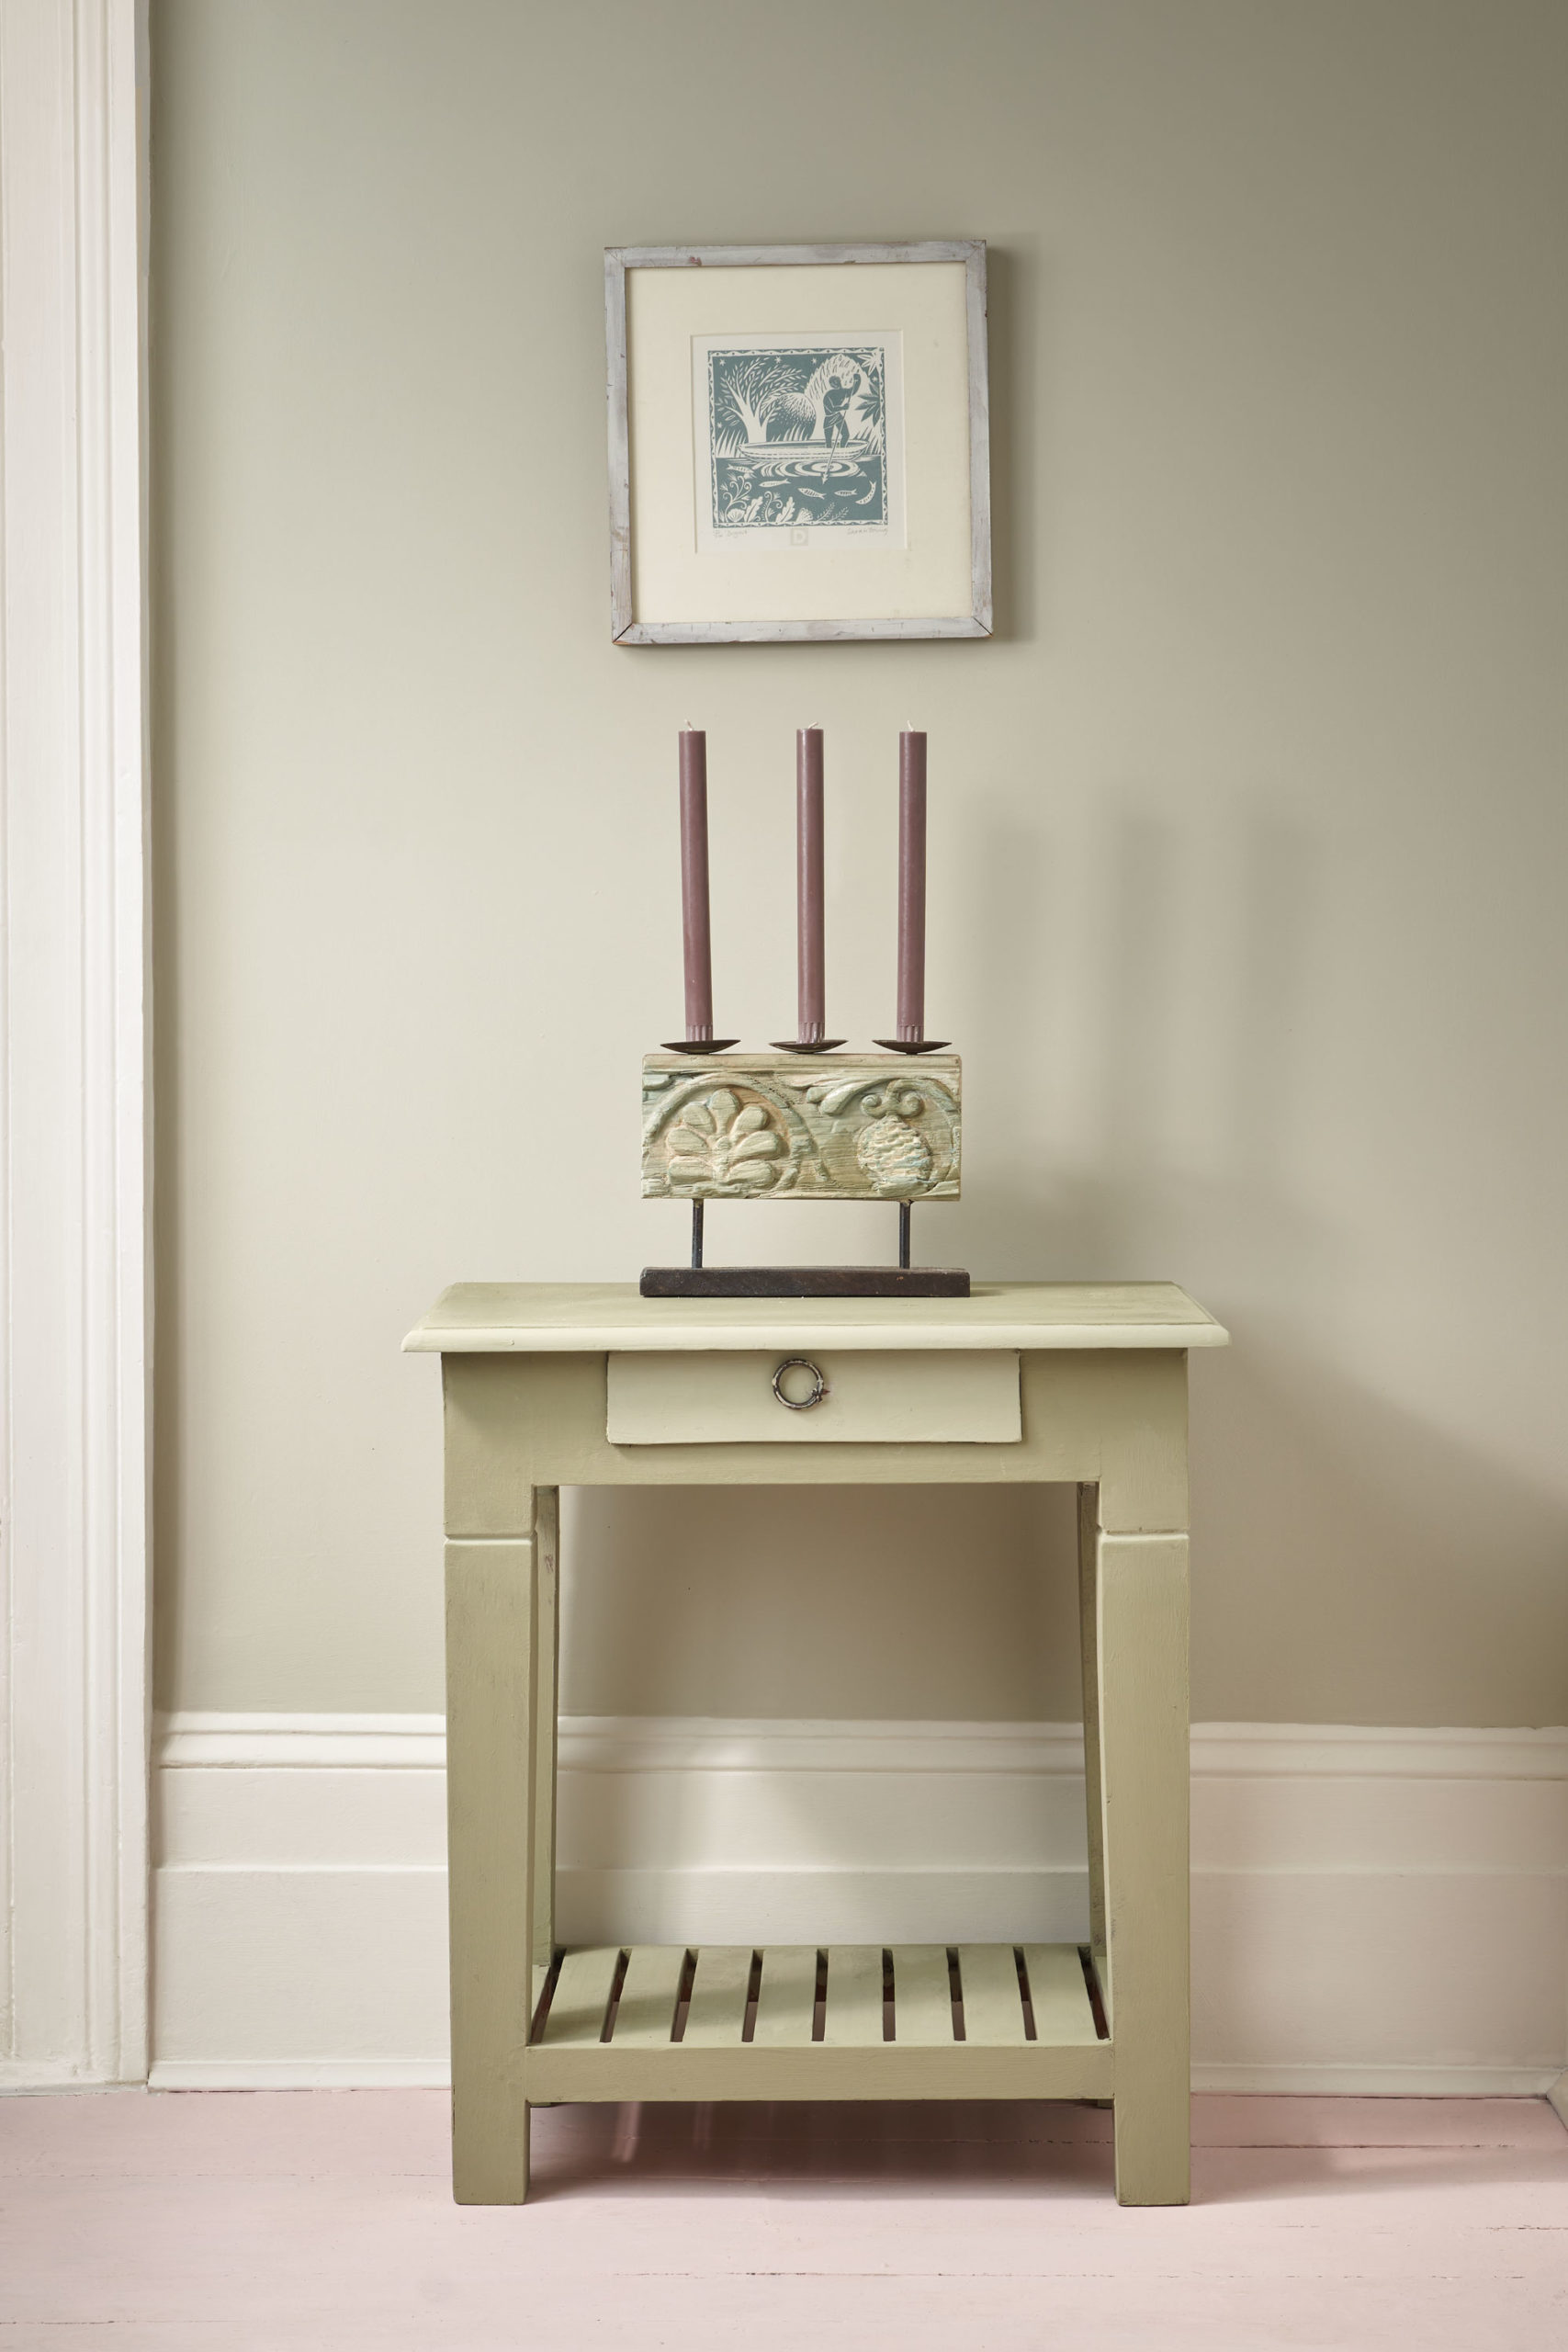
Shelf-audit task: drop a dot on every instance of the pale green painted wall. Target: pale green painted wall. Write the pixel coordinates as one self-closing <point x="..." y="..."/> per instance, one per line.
<point x="1248" y="829"/>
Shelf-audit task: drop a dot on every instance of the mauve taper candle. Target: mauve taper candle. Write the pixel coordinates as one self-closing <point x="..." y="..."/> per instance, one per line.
<point x="911" y="887"/>
<point x="812" y="1015"/>
<point x="695" y="938"/>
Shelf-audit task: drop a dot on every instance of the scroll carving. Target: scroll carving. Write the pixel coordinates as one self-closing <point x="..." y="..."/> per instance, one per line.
<point x="773" y="1126"/>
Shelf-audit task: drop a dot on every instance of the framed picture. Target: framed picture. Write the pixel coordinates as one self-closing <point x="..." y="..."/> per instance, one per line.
<point x="799" y="443"/>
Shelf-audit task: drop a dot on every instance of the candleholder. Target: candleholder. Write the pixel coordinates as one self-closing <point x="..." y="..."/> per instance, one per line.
<point x="718" y="1126"/>
<point x="758" y="1127"/>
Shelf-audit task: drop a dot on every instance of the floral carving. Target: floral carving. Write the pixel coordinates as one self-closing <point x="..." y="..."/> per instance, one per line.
<point x="724" y="1146"/>
<point x="856" y="1127"/>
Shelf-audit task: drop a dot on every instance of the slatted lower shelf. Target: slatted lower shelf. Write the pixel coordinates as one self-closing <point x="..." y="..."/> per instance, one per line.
<point x="660" y="2021"/>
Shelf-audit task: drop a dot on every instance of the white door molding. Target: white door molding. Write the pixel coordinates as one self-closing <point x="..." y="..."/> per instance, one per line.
<point x="73" y="1024"/>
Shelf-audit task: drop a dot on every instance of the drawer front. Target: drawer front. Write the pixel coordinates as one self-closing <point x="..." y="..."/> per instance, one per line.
<point x="889" y="1397"/>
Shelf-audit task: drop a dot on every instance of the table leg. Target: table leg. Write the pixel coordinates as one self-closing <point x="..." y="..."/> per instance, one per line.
<point x="492" y="1649"/>
<point x="547" y="1678"/>
<point x="1135" y="1660"/>
<point x="1088" y="1609"/>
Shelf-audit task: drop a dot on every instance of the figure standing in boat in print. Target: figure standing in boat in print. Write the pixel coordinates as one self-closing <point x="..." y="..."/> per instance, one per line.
<point x="797" y="437"/>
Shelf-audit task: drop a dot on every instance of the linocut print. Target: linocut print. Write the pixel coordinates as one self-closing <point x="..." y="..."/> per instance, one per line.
<point x="798" y="440"/>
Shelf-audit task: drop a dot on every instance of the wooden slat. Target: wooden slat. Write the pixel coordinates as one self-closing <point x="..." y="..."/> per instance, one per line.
<point x="718" y="1996"/>
<point x="993" y="2007"/>
<point x="922" y="2001"/>
<point x="581" y="1997"/>
<point x="646" y="2009"/>
<point x="882" y="2070"/>
<point x="854" y="1996"/>
<point x="1058" y="1995"/>
<point x="786" y="1998"/>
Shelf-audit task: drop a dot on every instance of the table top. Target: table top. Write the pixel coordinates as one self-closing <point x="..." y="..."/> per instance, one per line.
<point x="526" y="1318"/>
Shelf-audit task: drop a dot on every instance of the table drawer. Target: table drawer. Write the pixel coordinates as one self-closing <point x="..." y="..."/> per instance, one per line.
<point x="957" y="1396"/>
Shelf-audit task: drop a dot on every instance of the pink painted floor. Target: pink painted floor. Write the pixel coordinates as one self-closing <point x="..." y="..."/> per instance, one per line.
<point x="322" y="2221"/>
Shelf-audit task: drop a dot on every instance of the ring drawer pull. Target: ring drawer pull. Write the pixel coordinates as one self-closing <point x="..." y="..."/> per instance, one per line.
<point x="799" y="1403"/>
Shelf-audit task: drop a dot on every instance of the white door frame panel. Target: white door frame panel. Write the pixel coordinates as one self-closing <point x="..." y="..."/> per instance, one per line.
<point x="75" y="1103"/>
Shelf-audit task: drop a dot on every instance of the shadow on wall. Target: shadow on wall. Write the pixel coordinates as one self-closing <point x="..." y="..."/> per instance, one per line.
<point x="1152" y="1100"/>
<point x="1353" y="1561"/>
<point x="1017" y="392"/>
<point x="1139" y="1055"/>
<point x="1358" y="1564"/>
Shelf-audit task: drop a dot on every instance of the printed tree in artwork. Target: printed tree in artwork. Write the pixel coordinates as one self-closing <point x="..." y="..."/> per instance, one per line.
<point x="746" y="398"/>
<point x="870" y="428"/>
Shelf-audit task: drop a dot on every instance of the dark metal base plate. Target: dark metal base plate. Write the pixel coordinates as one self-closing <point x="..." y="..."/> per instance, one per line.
<point x="804" y="1281"/>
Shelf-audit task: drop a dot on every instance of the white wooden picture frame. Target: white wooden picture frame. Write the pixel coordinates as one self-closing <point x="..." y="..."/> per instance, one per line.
<point x="799" y="443"/>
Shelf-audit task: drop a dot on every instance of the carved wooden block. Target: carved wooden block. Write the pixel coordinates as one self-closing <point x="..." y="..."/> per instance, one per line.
<point x="797" y="1126"/>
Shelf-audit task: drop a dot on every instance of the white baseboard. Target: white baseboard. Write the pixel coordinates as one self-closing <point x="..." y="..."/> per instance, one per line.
<point x="1374" y="1910"/>
<point x="301" y="2075"/>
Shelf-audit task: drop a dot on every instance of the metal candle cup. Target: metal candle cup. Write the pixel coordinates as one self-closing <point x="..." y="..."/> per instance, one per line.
<point x="695" y="936"/>
<point x="911" y="1021"/>
<point x="812" y="1013"/>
